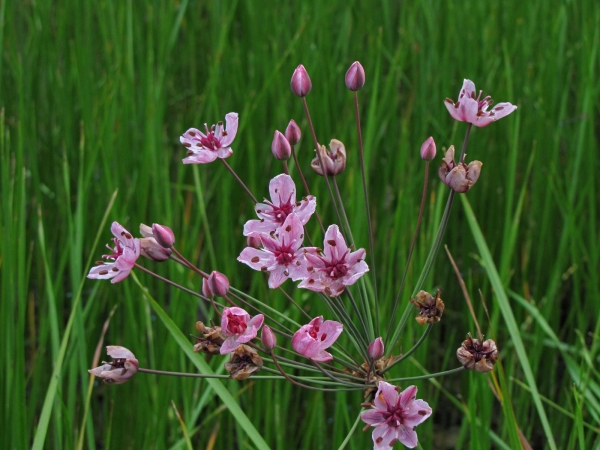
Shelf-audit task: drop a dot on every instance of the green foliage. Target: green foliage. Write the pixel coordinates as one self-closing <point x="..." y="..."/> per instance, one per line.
<point x="94" y="97"/>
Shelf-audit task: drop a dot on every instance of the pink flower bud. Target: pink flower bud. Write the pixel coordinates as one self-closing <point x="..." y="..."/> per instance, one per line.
<point x="218" y="283"/>
<point x="281" y="147"/>
<point x="253" y="241"/>
<point x="376" y="349"/>
<point x="206" y="289"/>
<point x="355" y="77"/>
<point x="293" y="133"/>
<point x="163" y="235"/>
<point x="121" y="369"/>
<point x="334" y="160"/>
<point x="150" y="249"/>
<point x="428" y="149"/>
<point x="300" y="84"/>
<point x="268" y="339"/>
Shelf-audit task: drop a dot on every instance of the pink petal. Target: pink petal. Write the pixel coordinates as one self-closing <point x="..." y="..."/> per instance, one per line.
<point x="306" y="209"/>
<point x="256" y="227"/>
<point x="249" y="255"/>
<point x="469" y="109"/>
<point x="384" y="437"/>
<point x="94" y="272"/>
<point x="277" y="277"/>
<point x="407" y="436"/>
<point x="503" y="109"/>
<point x="322" y="356"/>
<point x="291" y="232"/>
<point x="407" y="396"/>
<point x="224" y="152"/>
<point x="373" y="416"/>
<point x="467" y="90"/>
<point x="418" y="412"/>
<point x="454" y="111"/>
<point x="334" y="243"/>
<point x="201" y="156"/>
<point x="355" y="257"/>
<point x="389" y="394"/>
<point x="231" y="127"/>
<point x="282" y="189"/>
<point x="256" y="322"/>
<point x="229" y="345"/>
<point x="331" y="330"/>
<point x="117" y="352"/>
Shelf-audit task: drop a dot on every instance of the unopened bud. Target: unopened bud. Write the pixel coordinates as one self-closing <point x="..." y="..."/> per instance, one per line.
<point x="476" y="354"/>
<point x="268" y="339"/>
<point x="334" y="160"/>
<point x="206" y="289"/>
<point x="459" y="177"/>
<point x="218" y="283"/>
<point x="281" y="147"/>
<point x="145" y="230"/>
<point x="293" y="133"/>
<point x="150" y="249"/>
<point x="355" y="77"/>
<point x="376" y="349"/>
<point x="300" y="84"/>
<point x="253" y="241"/>
<point x="428" y="149"/>
<point x="163" y="235"/>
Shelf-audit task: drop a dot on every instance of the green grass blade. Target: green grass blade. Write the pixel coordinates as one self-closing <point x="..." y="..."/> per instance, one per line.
<point x="509" y="317"/>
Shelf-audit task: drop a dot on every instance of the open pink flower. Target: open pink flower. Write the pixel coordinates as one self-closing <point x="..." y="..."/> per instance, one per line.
<point x="125" y="253"/>
<point x="395" y="416"/>
<point x="283" y="203"/>
<point x="469" y="108"/>
<point x="334" y="267"/>
<point x="205" y="148"/>
<point x="239" y="328"/>
<point x="281" y="254"/>
<point x="311" y="340"/>
<point x="121" y="369"/>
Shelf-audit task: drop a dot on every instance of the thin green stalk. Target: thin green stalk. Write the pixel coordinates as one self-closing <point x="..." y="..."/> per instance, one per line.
<point x="368" y="209"/>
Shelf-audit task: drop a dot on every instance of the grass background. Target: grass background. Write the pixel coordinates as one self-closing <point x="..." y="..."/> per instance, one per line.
<point x="94" y="96"/>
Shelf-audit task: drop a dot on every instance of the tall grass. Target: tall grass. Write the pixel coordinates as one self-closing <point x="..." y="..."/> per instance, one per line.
<point x="94" y="96"/>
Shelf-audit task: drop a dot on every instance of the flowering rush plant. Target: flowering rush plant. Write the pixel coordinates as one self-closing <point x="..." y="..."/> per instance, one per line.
<point x="331" y="265"/>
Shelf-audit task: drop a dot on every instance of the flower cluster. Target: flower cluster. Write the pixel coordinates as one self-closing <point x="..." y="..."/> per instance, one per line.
<point x="333" y="273"/>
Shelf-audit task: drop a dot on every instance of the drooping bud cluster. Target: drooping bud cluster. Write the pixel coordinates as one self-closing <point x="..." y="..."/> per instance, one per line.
<point x="334" y="159"/>
<point x="121" y="369"/>
<point x="212" y="340"/>
<point x="430" y="307"/>
<point x="477" y="354"/>
<point x="459" y="177"/>
<point x="244" y="362"/>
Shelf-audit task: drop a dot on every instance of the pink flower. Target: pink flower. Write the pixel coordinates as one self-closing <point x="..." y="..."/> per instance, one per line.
<point x="395" y="416"/>
<point x="334" y="267"/>
<point x="474" y="110"/>
<point x="205" y="148"/>
<point x="283" y="203"/>
<point x="121" y="369"/>
<point x="281" y="256"/>
<point x="311" y="340"/>
<point x="239" y="328"/>
<point x="125" y="253"/>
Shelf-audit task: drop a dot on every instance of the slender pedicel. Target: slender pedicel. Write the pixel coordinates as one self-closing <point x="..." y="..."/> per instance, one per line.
<point x="410" y="252"/>
<point x="239" y="180"/>
<point x="368" y="209"/>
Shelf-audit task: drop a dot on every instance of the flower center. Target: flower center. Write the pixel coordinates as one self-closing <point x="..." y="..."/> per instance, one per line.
<point x="284" y="256"/>
<point x="236" y="325"/>
<point x="210" y="141"/>
<point x="337" y="271"/>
